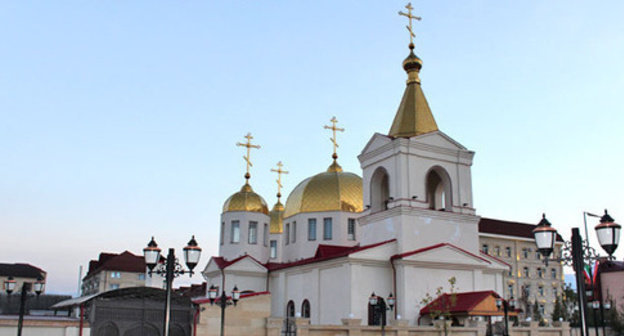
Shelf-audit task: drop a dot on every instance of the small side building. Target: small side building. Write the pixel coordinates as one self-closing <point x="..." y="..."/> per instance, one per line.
<point x="21" y="273"/>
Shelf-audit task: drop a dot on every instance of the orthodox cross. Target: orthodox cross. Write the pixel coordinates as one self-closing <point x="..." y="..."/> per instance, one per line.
<point x="249" y="146"/>
<point x="333" y="127"/>
<point x="279" y="172"/>
<point x="410" y="17"/>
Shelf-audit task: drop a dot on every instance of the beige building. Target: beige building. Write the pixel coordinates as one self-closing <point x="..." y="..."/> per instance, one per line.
<point x="528" y="279"/>
<point x="21" y="273"/>
<point x="114" y="271"/>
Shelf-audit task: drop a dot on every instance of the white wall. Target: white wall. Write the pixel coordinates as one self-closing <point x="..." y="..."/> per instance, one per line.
<point x="230" y="250"/>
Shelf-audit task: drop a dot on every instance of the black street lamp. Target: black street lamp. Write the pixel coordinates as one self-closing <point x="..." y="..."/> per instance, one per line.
<point x="9" y="287"/>
<point x="506" y="305"/>
<point x="223" y="302"/>
<point x="577" y="251"/>
<point x="171" y="269"/>
<point x="379" y="308"/>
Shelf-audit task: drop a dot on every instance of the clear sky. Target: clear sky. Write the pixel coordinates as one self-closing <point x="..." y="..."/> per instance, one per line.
<point x="119" y="119"/>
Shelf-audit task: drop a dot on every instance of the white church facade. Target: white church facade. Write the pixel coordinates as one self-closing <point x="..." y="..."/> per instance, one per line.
<point x="405" y="227"/>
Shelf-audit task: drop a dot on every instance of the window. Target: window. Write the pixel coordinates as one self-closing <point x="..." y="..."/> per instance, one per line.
<point x="294" y="232"/>
<point x="327" y="228"/>
<point x="252" y="238"/>
<point x="497" y="251"/>
<point x="540" y="274"/>
<point x="527" y="290"/>
<point x="142" y="276"/>
<point x="553" y="273"/>
<point x="525" y="253"/>
<point x="538" y="255"/>
<point x="541" y="309"/>
<point x="508" y="251"/>
<point x="235" y="232"/>
<point x="114" y="286"/>
<point x="290" y="309"/>
<point x="510" y="272"/>
<point x="116" y="275"/>
<point x="305" y="309"/>
<point x="273" y="249"/>
<point x="485" y="248"/>
<point x="351" y="229"/>
<point x="555" y="292"/>
<point x="265" y="234"/>
<point x="525" y="272"/>
<point x="222" y="233"/>
<point x="510" y="290"/>
<point x="287" y="234"/>
<point x="311" y="228"/>
<point x="540" y="290"/>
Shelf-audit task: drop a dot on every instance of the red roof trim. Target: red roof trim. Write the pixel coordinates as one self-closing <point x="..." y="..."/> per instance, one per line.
<point x="243" y="296"/>
<point x="222" y="263"/>
<point x="339" y="252"/>
<point x="432" y="247"/>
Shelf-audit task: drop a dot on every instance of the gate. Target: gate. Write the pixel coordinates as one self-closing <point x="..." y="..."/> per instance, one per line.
<point x="289" y="328"/>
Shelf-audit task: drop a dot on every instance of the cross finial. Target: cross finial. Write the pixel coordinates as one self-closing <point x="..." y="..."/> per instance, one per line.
<point x="333" y="127"/>
<point x="247" y="158"/>
<point x="410" y="17"/>
<point x="279" y="172"/>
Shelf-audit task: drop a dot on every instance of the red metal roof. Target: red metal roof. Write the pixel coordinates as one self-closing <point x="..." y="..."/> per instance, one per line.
<point x="223" y="263"/>
<point x="507" y="228"/>
<point x="432" y="247"/>
<point x="457" y="302"/>
<point x="123" y="262"/>
<point x="21" y="270"/>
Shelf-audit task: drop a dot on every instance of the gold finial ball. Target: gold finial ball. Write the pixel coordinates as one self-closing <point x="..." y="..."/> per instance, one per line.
<point x="412" y="62"/>
<point x="247" y="176"/>
<point x="279" y="195"/>
<point x="334" y="156"/>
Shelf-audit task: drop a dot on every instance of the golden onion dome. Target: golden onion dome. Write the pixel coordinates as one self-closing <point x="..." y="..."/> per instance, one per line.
<point x="277" y="216"/>
<point x="246" y="200"/>
<point x="333" y="190"/>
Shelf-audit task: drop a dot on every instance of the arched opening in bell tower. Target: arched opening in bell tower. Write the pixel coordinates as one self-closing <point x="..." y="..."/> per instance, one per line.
<point x="439" y="194"/>
<point x="379" y="190"/>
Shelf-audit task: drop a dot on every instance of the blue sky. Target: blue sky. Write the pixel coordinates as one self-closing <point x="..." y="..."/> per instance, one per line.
<point x="119" y="119"/>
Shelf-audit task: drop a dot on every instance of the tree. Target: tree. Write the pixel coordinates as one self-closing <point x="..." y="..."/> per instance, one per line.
<point x="537" y="314"/>
<point x="442" y="310"/>
<point x="558" y="311"/>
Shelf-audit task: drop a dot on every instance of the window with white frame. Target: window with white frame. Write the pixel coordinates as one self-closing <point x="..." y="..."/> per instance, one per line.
<point x="115" y="275"/>
<point x="294" y="232"/>
<point x="222" y="233"/>
<point x="311" y="229"/>
<point x="327" y="229"/>
<point x="265" y="234"/>
<point x="351" y="229"/>
<point x="485" y="248"/>
<point x="252" y="237"/>
<point x="235" y="232"/>
<point x="273" y="249"/>
<point x="287" y="234"/>
<point x="508" y="251"/>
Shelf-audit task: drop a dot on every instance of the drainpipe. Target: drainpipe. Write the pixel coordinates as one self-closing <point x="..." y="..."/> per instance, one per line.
<point x="81" y="319"/>
<point x="195" y="318"/>
<point x="394" y="286"/>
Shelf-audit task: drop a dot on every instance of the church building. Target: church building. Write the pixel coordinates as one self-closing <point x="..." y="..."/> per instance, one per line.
<point x="404" y="228"/>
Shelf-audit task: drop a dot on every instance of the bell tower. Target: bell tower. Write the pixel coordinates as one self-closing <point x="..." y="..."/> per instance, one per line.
<point x="417" y="184"/>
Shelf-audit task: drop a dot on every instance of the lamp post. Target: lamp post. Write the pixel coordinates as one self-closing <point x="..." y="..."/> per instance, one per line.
<point x="9" y="287"/>
<point x="577" y="251"/>
<point x="506" y="305"/>
<point x="223" y="302"/>
<point x="380" y="308"/>
<point x="171" y="269"/>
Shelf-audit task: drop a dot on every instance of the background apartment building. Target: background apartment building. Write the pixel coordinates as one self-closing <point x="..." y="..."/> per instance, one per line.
<point x="528" y="280"/>
<point x="113" y="271"/>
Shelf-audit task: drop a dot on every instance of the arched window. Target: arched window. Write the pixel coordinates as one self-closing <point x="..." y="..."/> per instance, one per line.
<point x="290" y="309"/>
<point x="305" y="309"/>
<point x="108" y="329"/>
<point x="439" y="189"/>
<point x="379" y="190"/>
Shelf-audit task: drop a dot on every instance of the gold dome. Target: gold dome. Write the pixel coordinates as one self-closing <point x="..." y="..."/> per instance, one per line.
<point x="333" y="190"/>
<point x="246" y="200"/>
<point x="277" y="216"/>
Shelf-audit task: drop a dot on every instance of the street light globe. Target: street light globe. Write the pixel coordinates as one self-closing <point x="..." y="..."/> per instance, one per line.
<point x="9" y="285"/>
<point x="545" y="236"/>
<point x="39" y="285"/>
<point x="608" y="233"/>
<point x="212" y="292"/>
<point x="372" y="300"/>
<point x="192" y="252"/>
<point x="151" y="254"/>
<point x="235" y="294"/>
<point x="391" y="300"/>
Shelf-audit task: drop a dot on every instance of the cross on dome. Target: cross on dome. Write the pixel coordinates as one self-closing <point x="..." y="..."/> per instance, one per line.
<point x="410" y="17"/>
<point x="279" y="172"/>
<point x="334" y="129"/>
<point x="247" y="158"/>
